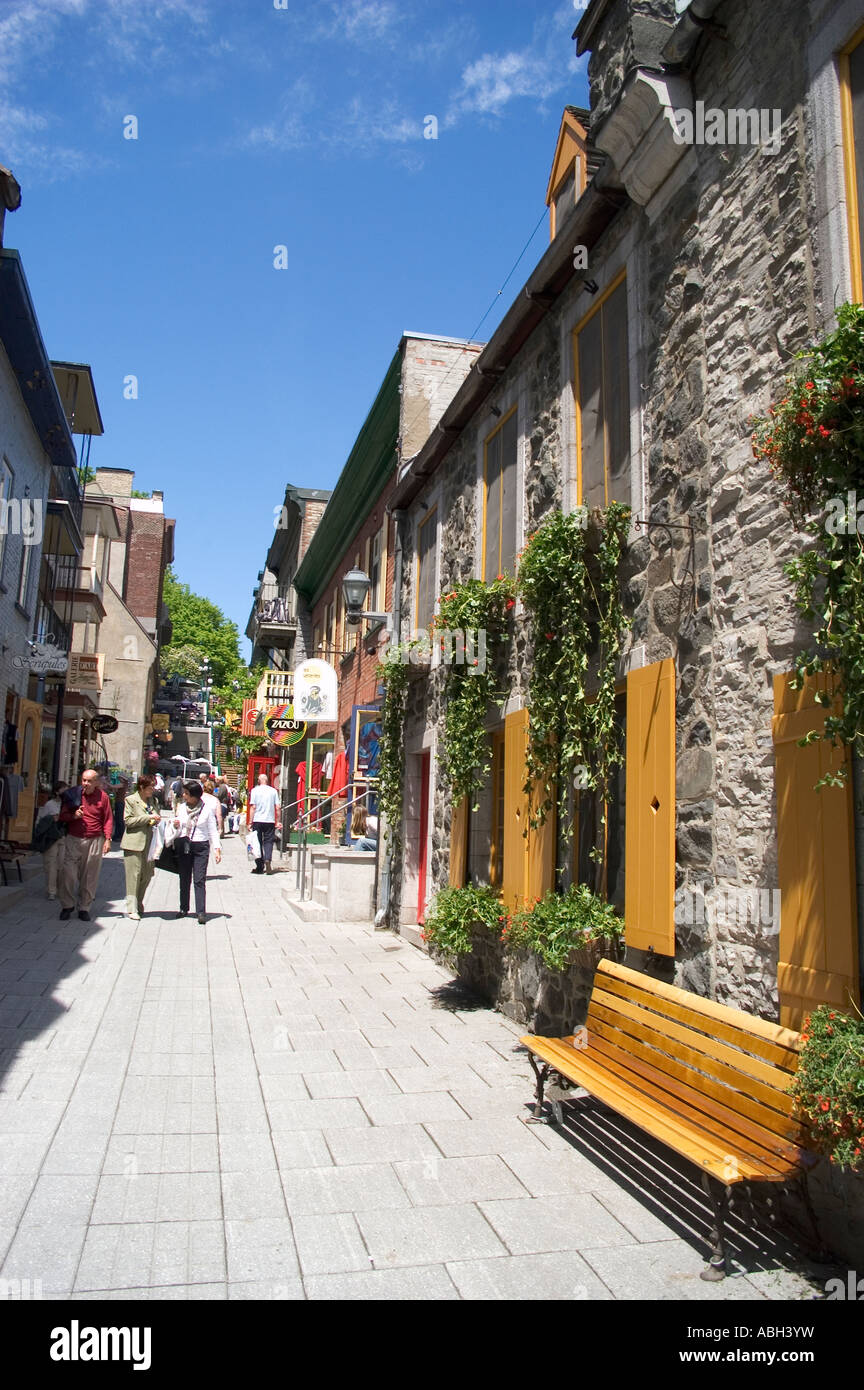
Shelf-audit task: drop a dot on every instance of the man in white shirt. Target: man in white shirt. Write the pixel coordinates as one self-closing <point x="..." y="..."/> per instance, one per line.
<point x="264" y="802"/>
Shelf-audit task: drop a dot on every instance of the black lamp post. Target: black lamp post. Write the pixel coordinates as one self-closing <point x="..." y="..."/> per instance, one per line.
<point x="355" y="591"/>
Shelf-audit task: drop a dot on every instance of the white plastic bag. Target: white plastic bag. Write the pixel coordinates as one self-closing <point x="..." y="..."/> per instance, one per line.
<point x="169" y="832"/>
<point x="253" y="845"/>
<point x="157" y="843"/>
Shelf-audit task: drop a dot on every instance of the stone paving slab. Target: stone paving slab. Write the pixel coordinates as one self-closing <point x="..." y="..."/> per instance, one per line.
<point x="266" y="1109"/>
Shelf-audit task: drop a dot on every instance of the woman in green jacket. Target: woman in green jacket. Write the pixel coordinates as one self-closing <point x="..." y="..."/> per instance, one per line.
<point x="142" y="814"/>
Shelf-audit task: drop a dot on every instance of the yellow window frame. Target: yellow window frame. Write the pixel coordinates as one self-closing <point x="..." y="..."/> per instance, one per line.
<point x="431" y="515"/>
<point x="853" y="212"/>
<point x="595" y="309"/>
<point x="487" y="441"/>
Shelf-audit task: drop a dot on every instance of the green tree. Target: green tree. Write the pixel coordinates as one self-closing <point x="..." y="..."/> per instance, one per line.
<point x="185" y="662"/>
<point x="198" y="624"/>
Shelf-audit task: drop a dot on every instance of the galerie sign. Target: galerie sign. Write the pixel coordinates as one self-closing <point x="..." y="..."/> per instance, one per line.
<point x="316" y="691"/>
<point x="86" y="670"/>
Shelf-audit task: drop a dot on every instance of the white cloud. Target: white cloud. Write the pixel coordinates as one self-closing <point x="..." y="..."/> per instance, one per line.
<point x="546" y="66"/>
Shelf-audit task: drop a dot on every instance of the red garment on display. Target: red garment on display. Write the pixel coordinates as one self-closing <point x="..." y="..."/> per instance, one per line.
<point x="339" y="780"/>
<point x="301" y="788"/>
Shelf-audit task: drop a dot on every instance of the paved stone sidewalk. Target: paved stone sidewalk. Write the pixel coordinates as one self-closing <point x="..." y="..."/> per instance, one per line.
<point x="261" y="1108"/>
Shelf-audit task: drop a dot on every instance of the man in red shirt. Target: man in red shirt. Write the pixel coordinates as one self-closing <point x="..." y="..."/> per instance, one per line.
<point x="89" y="828"/>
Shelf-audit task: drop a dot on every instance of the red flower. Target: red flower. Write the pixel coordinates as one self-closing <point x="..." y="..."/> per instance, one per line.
<point x="499" y="576"/>
<point x="809" y="386"/>
<point x="511" y="603"/>
<point x="550" y="636"/>
<point x="825" y="1105"/>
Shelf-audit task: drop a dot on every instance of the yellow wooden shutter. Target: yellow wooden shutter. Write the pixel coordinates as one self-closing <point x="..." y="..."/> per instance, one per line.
<point x="649" y="909"/>
<point x="816" y="862"/>
<point x="458" y="843"/>
<point x="529" y="862"/>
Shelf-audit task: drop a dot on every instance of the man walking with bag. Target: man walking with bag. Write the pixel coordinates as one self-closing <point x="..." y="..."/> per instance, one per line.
<point x="264" y="801"/>
<point x="86" y="813"/>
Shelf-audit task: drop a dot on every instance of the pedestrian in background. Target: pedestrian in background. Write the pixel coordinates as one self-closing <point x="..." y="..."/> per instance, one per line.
<point x="86" y="813"/>
<point x="53" y="836"/>
<point x="223" y="796"/>
<point x="142" y="813"/>
<point x="197" y="834"/>
<point x="264" y="801"/>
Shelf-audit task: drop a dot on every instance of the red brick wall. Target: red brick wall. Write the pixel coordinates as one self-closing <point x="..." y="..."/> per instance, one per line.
<point x="358" y="682"/>
<point x="311" y="517"/>
<point x="145" y="559"/>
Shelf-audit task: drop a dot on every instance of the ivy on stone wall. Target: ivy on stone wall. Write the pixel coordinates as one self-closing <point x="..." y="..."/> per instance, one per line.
<point x="473" y="618"/>
<point x="569" y="578"/>
<point x="393" y="671"/>
<point x="813" y="441"/>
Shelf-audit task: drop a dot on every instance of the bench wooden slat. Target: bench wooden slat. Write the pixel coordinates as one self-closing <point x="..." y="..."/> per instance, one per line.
<point x="684" y="1137"/>
<point x="720" y="1051"/>
<point x="566" y="1060"/>
<point x="782" y="1056"/>
<point x="774" y="1121"/>
<point x="759" y="1027"/>
<point x="726" y="1145"/>
<point x="699" y="1059"/>
<point x="686" y="1100"/>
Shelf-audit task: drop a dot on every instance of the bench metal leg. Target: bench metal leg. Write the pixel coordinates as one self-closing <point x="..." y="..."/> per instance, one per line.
<point x="716" y="1268"/>
<point x="542" y="1075"/>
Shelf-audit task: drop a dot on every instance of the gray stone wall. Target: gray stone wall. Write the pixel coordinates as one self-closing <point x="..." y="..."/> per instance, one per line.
<point x="725" y="278"/>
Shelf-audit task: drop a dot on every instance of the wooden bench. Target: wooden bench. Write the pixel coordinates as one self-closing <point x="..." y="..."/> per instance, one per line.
<point x="708" y="1081"/>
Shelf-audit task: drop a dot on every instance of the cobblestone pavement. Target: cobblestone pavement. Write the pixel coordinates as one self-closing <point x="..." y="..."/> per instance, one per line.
<point x="262" y="1108"/>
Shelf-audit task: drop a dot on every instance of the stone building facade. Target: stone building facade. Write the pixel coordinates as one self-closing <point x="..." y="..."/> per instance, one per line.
<point x="708" y="267"/>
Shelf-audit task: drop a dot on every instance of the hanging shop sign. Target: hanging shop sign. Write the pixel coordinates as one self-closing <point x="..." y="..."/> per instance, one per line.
<point x="104" y="724"/>
<point x="281" y="727"/>
<point x="86" y="670"/>
<point x="44" y="658"/>
<point x="316" y="691"/>
<point x="160" y="722"/>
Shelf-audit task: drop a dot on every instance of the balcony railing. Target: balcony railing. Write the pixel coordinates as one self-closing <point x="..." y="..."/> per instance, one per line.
<point x="276" y="612"/>
<point x="65" y="487"/>
<point x="275" y="688"/>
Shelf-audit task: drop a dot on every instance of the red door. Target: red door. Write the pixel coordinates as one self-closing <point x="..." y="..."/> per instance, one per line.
<point x="257" y="764"/>
<point x="424" y="836"/>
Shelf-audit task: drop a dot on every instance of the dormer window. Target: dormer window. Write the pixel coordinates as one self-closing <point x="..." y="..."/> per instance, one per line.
<point x="568" y="178"/>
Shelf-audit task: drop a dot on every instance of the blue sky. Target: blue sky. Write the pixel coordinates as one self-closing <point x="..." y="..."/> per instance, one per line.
<point x="260" y="127"/>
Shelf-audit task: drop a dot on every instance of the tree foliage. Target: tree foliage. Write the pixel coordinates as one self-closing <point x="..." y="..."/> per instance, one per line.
<point x="198" y="624"/>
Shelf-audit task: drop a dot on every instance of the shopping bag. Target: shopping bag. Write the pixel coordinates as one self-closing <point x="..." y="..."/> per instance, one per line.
<point x="157" y="842"/>
<point x="253" y="845"/>
<point x="169" y="860"/>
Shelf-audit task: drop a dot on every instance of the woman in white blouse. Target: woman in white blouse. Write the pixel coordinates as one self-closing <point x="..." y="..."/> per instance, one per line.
<point x="197" y="834"/>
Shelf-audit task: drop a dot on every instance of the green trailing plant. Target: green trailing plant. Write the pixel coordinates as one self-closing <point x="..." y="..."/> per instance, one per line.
<point x="454" y="914"/>
<point x="829" y="1085"/>
<point x="393" y="671"/>
<point x="559" y="925"/>
<point x="466" y="612"/>
<point x="813" y="441"/>
<point x="573" y="595"/>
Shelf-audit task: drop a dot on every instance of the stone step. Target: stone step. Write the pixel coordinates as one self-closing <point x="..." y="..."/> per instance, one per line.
<point x="306" y="911"/>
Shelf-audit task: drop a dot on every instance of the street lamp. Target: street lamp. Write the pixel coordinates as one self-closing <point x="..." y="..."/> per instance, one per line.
<point x="355" y="591"/>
